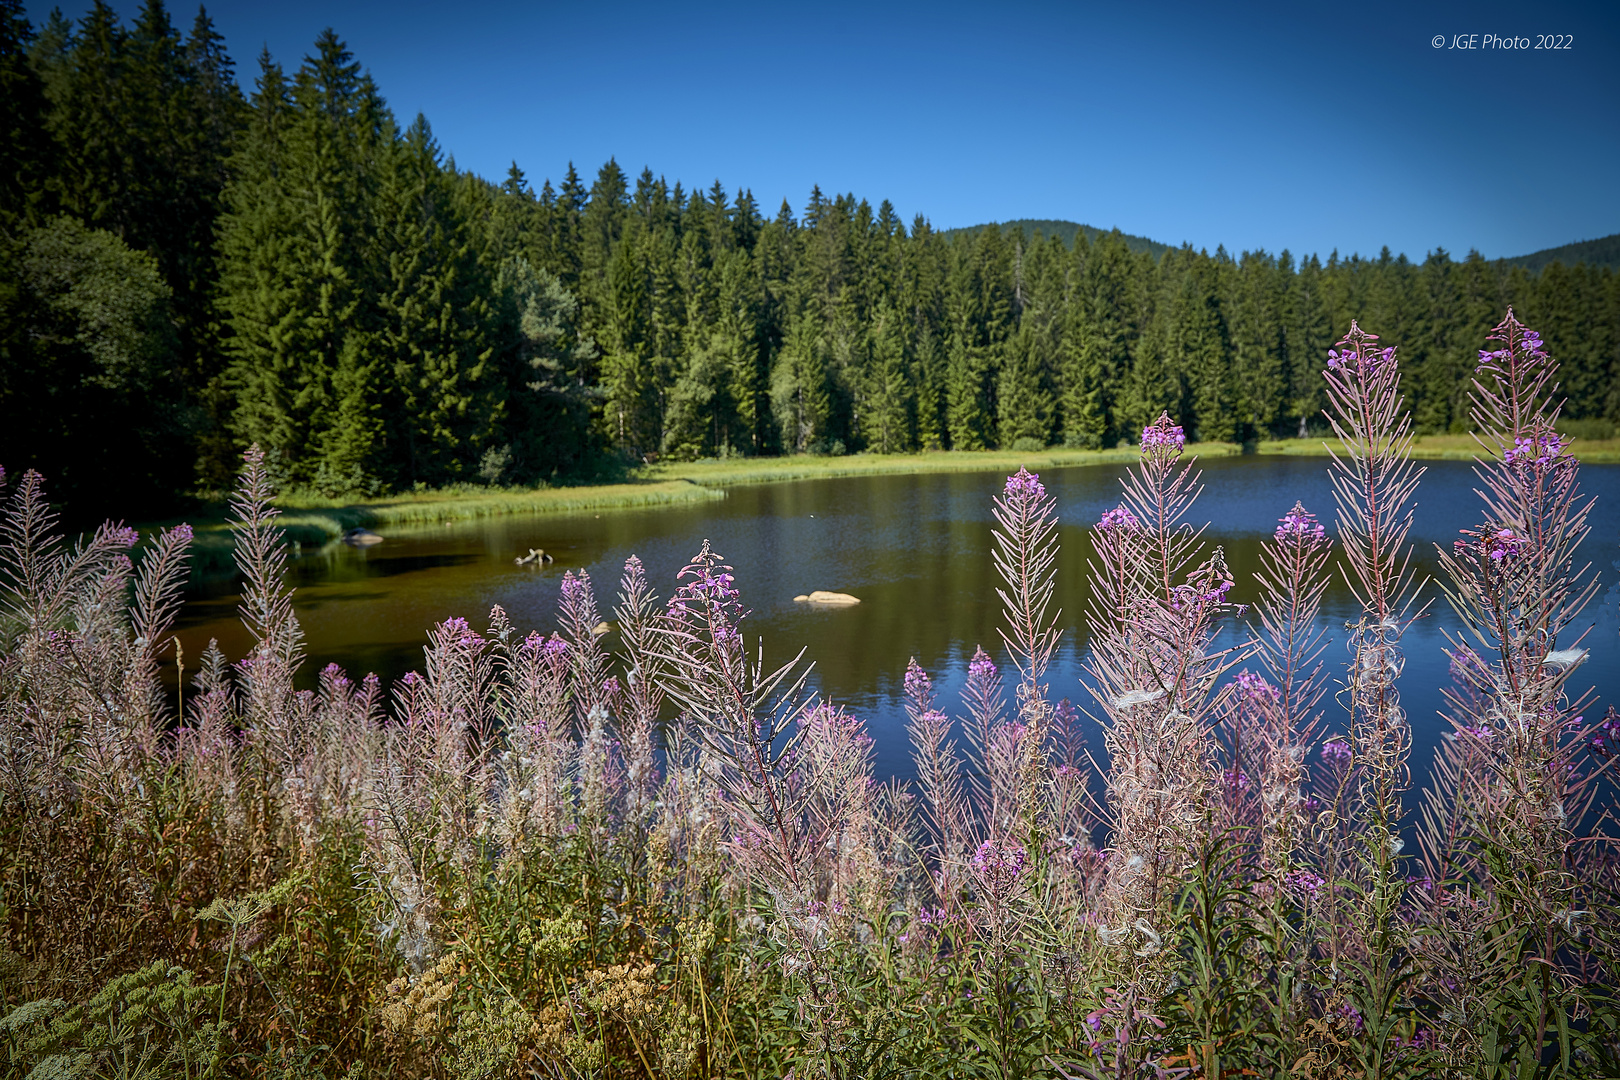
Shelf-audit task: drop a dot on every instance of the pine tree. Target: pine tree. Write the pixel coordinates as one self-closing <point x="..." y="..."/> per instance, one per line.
<point x="1307" y="335"/>
<point x="1156" y="382"/>
<point x="630" y="414"/>
<point x="1199" y="343"/>
<point x="27" y="152"/>
<point x="1096" y="341"/>
<point x="886" y="414"/>
<point x="738" y="337"/>
<point x="546" y="360"/>
<point x="1257" y="346"/>
<point x="798" y="389"/>
<point x="434" y="323"/>
<point x="298" y="245"/>
<point x="1025" y="399"/>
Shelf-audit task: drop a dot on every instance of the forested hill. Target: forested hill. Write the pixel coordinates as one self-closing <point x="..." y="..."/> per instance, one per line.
<point x="188" y="268"/>
<point x="1602" y="252"/>
<point x="1065" y="231"/>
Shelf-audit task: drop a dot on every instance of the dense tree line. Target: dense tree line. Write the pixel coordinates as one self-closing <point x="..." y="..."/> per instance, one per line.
<point x="189" y="268"/>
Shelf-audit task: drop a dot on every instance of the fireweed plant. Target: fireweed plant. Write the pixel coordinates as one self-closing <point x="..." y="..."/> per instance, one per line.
<point x="654" y="853"/>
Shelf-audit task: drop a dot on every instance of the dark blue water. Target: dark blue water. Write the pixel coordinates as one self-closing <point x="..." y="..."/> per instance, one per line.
<point x="915" y="549"/>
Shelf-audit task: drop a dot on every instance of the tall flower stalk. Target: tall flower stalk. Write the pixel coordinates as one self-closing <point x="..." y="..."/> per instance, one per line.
<point x="1290" y="642"/>
<point x="1025" y="555"/>
<point x="1512" y="772"/>
<point x="1154" y="618"/>
<point x="1374" y="484"/>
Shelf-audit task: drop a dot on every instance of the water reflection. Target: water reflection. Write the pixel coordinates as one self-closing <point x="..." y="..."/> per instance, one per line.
<point x="915" y="549"/>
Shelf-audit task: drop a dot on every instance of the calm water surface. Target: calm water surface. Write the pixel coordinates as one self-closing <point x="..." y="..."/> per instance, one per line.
<point x="915" y="549"/>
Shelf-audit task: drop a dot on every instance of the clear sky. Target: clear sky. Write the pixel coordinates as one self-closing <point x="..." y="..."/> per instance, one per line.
<point x="1300" y="126"/>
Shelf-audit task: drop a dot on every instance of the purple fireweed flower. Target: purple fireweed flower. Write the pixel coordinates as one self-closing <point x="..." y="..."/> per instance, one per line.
<point x="981" y="667"/>
<point x="456" y="631"/>
<point x="1528" y="345"/>
<point x="124" y="535"/>
<point x="183" y="531"/>
<point x="1024" y="484"/>
<point x="1362" y="360"/>
<point x="1502" y="544"/>
<point x="554" y="648"/>
<point x="1236" y="779"/>
<point x="1300" y="525"/>
<point x="998" y="867"/>
<point x="1163" y="437"/>
<point x="1480" y="732"/>
<point x="919" y="687"/>
<point x="1353" y="1014"/>
<point x="575" y="587"/>
<point x="1336" y="752"/>
<point x="1252" y="687"/>
<point x="1304" y="883"/>
<point x="1119" y="518"/>
<point x="1540" y="449"/>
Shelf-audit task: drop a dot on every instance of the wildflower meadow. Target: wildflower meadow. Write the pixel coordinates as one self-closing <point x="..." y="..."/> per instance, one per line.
<point x="659" y="854"/>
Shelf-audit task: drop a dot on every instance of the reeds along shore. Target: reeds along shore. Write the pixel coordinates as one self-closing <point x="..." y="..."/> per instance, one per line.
<point x="538" y="857"/>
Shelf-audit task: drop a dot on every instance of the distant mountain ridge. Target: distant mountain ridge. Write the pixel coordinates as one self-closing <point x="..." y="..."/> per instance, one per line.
<point x="1602" y="252"/>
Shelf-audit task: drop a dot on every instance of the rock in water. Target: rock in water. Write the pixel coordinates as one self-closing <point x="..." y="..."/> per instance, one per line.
<point x="823" y="598"/>
<point x="361" y="538"/>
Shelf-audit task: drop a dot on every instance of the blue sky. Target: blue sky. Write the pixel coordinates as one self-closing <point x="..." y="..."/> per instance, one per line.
<point x="1308" y="127"/>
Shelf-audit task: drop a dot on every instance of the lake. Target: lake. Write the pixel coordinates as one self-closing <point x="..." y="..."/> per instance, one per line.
<point x="915" y="549"/>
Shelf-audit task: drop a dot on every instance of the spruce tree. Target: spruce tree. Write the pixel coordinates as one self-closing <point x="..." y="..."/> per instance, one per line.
<point x="547" y="361"/>
<point x="1025" y="400"/>
<point x="1257" y="345"/>
<point x="298" y="250"/>
<point x="1307" y="334"/>
<point x="799" y="400"/>
<point x="434" y="325"/>
<point x="630" y="417"/>
<point x="27" y="152"/>
<point x="886" y="414"/>
<point x="1199" y="343"/>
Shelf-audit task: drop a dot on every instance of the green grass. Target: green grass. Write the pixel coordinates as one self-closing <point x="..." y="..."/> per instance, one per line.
<point x="806" y="467"/>
<point x="1443" y="448"/>
<point x="315" y="521"/>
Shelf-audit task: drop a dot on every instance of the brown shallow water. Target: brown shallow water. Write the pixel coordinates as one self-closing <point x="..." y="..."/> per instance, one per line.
<point x="915" y="549"/>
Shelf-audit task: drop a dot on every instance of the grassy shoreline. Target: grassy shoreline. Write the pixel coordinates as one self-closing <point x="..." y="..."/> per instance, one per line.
<point x="1439" y="448"/>
<point x="314" y="522"/>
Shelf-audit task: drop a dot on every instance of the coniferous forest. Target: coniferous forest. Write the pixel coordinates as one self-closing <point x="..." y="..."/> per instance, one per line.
<point x="191" y="268"/>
